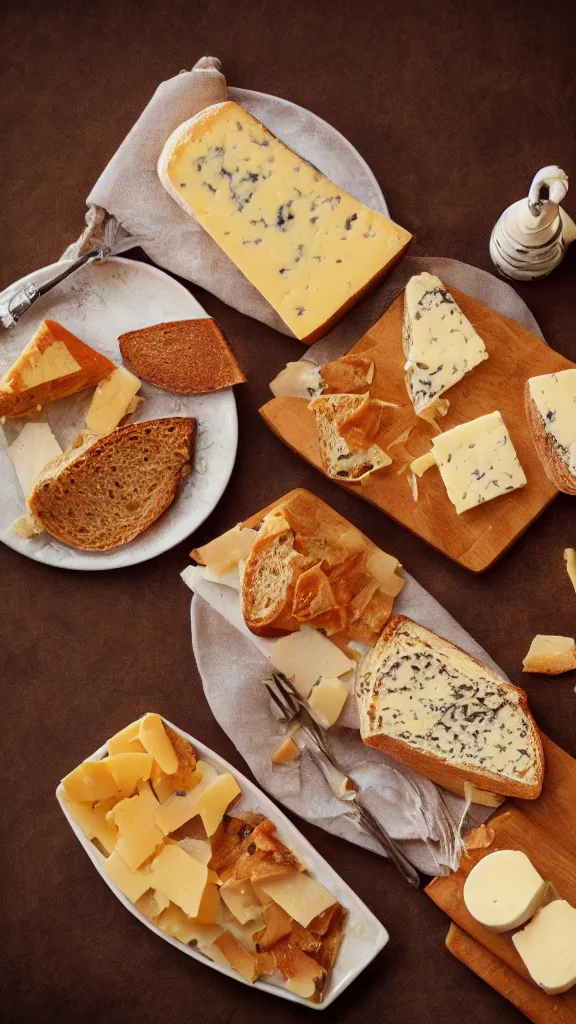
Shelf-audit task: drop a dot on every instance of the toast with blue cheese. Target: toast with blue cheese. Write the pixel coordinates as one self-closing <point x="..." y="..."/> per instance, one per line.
<point x="427" y="703"/>
<point x="551" y="413"/>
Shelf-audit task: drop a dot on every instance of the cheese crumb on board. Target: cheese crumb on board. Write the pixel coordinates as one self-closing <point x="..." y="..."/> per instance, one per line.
<point x="547" y="946"/>
<point x="308" y="247"/>
<point x="298" y="380"/>
<point x="440" y="343"/>
<point x="423" y="463"/>
<point x="478" y="462"/>
<point x="550" y="655"/>
<point x="504" y="890"/>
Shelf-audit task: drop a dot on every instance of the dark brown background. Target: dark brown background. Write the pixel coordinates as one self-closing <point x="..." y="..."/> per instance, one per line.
<point x="455" y="106"/>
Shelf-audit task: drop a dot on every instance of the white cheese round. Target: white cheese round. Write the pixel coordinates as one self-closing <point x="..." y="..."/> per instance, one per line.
<point x="504" y="890"/>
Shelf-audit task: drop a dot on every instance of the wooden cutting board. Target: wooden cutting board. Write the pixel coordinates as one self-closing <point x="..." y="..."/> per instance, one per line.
<point x="478" y="537"/>
<point x="545" y="829"/>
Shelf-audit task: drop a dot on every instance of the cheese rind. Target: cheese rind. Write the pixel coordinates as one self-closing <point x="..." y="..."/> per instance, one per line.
<point x="440" y="344"/>
<point x="29" y="453"/>
<point x="309" y="247"/>
<point x="550" y="655"/>
<point x="112" y="401"/>
<point x="554" y="395"/>
<point x="547" y="946"/>
<point x="504" y="890"/>
<point x="478" y="462"/>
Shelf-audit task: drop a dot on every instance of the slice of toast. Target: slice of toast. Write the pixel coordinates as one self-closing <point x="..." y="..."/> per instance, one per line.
<point x="54" y="364"/>
<point x="269" y="578"/>
<point x="547" y="423"/>
<point x="443" y="712"/>
<point x="346" y="427"/>
<point x="103" y="492"/>
<point x="185" y="356"/>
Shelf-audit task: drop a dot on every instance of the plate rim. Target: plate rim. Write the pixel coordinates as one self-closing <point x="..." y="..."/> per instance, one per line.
<point x="35" y="553"/>
<point x="278" y="816"/>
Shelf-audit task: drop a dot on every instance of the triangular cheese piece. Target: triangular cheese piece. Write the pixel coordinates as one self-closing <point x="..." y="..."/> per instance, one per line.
<point x="440" y="344"/>
<point x="54" y="364"/>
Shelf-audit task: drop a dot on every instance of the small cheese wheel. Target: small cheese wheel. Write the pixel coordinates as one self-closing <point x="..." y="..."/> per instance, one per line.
<point x="504" y="890"/>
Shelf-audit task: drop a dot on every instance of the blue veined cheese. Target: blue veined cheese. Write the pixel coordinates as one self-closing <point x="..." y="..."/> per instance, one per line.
<point x="477" y="461"/>
<point x="310" y="248"/>
<point x="554" y="395"/>
<point x="418" y="689"/>
<point x="440" y="344"/>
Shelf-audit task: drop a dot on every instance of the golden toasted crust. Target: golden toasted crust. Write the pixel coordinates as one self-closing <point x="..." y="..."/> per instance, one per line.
<point x="446" y="773"/>
<point x="185" y="356"/>
<point x="116" y="487"/>
<point x="94" y="367"/>
<point x="555" y="468"/>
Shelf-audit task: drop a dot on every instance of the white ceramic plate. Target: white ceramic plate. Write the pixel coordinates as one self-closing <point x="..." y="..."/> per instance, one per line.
<point x="364" y="936"/>
<point x="98" y="304"/>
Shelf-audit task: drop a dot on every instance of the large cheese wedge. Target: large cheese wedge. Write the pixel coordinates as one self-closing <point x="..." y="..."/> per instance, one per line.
<point x="181" y="878"/>
<point x="504" y="890"/>
<point x="139" y="835"/>
<point x="132" y="883"/>
<point x="54" y="364"/>
<point x="310" y="248"/>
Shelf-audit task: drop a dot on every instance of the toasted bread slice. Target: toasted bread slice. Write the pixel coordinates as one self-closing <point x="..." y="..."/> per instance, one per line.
<point x="185" y="356"/>
<point x="550" y="402"/>
<point x="269" y="578"/>
<point x="431" y="705"/>
<point x="346" y="426"/>
<point x="54" y="364"/>
<point x="103" y="492"/>
<point x="350" y="375"/>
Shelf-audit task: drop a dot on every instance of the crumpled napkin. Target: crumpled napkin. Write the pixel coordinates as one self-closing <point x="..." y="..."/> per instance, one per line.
<point x="232" y="664"/>
<point x="130" y="192"/>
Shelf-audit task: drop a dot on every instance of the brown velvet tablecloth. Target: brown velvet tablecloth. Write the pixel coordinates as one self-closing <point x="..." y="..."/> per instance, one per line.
<point x="454" y="106"/>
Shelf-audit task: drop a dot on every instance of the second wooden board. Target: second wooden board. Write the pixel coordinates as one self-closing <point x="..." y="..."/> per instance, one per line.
<point x="478" y="537"/>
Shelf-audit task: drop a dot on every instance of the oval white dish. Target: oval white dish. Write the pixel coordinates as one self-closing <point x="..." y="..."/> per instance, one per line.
<point x="98" y="304"/>
<point x="364" y="935"/>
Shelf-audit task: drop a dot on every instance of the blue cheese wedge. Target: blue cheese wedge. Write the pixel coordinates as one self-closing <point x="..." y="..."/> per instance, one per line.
<point x="554" y="395"/>
<point x="478" y="462"/>
<point x="310" y="248"/>
<point x="428" y="703"/>
<point x="440" y="344"/>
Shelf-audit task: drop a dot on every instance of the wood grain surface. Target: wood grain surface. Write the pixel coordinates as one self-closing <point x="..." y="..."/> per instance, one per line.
<point x="478" y="537"/>
<point x="544" y="829"/>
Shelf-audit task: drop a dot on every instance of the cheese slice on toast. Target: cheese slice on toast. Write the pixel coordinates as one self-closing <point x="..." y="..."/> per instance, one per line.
<point x="54" y="364"/>
<point x="443" y="712"/>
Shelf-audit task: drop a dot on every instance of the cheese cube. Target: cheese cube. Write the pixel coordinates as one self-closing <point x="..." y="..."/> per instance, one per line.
<point x="128" y="769"/>
<point x="547" y="946"/>
<point x="504" y="890"/>
<point x="126" y="741"/>
<point x="94" y="822"/>
<point x="326" y="700"/>
<point x="176" y="923"/>
<point x="478" y="462"/>
<point x="305" y="656"/>
<point x="179" y="877"/>
<point x="286" y="753"/>
<point x="132" y="883"/>
<point x="154" y="739"/>
<point x="309" y="247"/>
<point x="300" y="895"/>
<point x="112" y="400"/>
<point x="138" y="831"/>
<point x="89" y="782"/>
<point x="29" y="453"/>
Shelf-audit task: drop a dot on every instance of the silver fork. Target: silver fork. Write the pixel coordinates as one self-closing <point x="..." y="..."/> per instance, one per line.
<point x="293" y="708"/>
